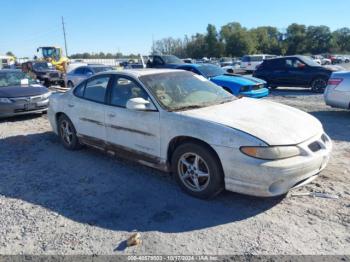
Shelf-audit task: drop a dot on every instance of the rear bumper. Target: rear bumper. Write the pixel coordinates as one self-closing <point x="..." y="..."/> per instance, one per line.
<point x="264" y="178"/>
<point x="334" y="98"/>
<point x="20" y="108"/>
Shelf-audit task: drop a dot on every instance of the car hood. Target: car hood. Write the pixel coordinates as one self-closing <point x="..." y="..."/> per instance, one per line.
<point x="244" y="81"/>
<point x="273" y="123"/>
<point x="25" y="90"/>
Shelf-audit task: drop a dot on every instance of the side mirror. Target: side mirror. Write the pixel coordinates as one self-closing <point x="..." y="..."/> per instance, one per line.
<point x="139" y="104"/>
<point x="89" y="73"/>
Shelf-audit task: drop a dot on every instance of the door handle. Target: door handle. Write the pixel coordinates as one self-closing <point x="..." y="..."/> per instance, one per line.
<point x="111" y="115"/>
<point x="70" y="105"/>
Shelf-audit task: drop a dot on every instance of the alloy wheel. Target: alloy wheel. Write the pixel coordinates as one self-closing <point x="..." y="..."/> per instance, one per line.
<point x="193" y="172"/>
<point x="318" y="85"/>
<point x="66" y="132"/>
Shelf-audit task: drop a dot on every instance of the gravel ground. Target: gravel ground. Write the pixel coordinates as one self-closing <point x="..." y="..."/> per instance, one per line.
<point x="53" y="201"/>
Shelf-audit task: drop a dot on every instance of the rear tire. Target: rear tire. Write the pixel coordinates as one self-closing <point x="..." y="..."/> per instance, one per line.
<point x="318" y="85"/>
<point x="68" y="134"/>
<point x="197" y="170"/>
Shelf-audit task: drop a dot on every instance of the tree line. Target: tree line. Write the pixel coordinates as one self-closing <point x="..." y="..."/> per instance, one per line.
<point x="234" y="40"/>
<point x="103" y="55"/>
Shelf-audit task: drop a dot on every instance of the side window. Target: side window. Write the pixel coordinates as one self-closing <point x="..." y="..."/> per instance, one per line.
<point x="124" y="89"/>
<point x="79" y="90"/>
<point x="88" y="71"/>
<point x="157" y="61"/>
<point x="95" y="89"/>
<point x="79" y="71"/>
<point x="289" y="63"/>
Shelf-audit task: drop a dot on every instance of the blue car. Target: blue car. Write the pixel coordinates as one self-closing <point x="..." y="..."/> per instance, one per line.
<point x="235" y="84"/>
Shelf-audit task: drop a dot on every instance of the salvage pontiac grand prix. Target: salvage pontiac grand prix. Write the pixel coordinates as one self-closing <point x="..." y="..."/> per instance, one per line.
<point x="178" y="121"/>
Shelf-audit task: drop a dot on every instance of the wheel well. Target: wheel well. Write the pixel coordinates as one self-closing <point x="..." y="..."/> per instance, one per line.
<point x="318" y="77"/>
<point x="57" y="116"/>
<point x="177" y="141"/>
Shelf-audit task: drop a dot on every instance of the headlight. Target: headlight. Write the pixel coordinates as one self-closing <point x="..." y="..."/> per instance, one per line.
<point x="5" y="100"/>
<point x="270" y="152"/>
<point x="46" y="95"/>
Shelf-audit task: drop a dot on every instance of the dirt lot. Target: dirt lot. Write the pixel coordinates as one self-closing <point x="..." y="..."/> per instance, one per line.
<point x="53" y="201"/>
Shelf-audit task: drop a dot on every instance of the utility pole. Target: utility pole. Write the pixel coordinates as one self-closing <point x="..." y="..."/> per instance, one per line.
<point x="64" y="34"/>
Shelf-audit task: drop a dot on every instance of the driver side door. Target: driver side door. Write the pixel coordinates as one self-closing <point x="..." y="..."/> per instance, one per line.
<point x="136" y="131"/>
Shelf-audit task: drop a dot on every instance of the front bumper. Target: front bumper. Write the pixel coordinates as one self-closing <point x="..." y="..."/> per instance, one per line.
<point x="247" y="175"/>
<point x="259" y="93"/>
<point x="23" y="107"/>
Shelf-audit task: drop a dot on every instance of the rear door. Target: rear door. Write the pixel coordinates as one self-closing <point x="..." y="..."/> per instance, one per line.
<point x="135" y="131"/>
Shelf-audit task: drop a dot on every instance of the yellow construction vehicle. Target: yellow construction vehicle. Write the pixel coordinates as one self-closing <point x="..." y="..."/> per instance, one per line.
<point x="54" y="55"/>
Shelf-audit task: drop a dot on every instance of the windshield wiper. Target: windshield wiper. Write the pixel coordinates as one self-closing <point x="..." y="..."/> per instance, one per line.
<point x="187" y="107"/>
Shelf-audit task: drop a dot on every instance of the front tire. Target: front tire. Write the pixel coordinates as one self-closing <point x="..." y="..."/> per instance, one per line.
<point x="318" y="85"/>
<point x="68" y="134"/>
<point x="197" y="170"/>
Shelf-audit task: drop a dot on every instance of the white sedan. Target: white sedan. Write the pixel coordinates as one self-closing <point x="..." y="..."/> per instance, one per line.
<point x="177" y="121"/>
<point x="337" y="93"/>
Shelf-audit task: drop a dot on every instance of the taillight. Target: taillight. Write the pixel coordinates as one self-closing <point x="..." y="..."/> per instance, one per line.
<point x="334" y="81"/>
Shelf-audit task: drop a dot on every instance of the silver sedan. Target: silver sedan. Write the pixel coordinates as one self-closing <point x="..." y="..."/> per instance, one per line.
<point x="337" y="93"/>
<point x="81" y="73"/>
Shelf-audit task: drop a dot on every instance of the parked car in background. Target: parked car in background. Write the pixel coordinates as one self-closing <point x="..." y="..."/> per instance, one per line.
<point x="235" y="84"/>
<point x="294" y="71"/>
<point x="251" y="62"/>
<point x="337" y="93"/>
<point x="321" y="60"/>
<point x="81" y="73"/>
<point x="232" y="67"/>
<point x="164" y="61"/>
<point x="20" y="94"/>
<point x="44" y="72"/>
<point x="188" y="60"/>
<point x="252" y="147"/>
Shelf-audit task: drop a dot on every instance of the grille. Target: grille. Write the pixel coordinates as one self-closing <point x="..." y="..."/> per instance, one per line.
<point x="28" y="99"/>
<point x="257" y="87"/>
<point x="54" y="75"/>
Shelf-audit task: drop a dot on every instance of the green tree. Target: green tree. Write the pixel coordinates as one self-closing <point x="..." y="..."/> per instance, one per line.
<point x="214" y="47"/>
<point x="9" y="53"/>
<point x="267" y="40"/>
<point x="318" y="39"/>
<point x="296" y="39"/>
<point x="237" y="39"/>
<point x="341" y="39"/>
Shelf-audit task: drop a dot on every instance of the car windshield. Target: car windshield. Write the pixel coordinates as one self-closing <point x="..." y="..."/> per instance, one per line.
<point x="309" y="61"/>
<point x="40" y="66"/>
<point x="15" y="79"/>
<point x="181" y="90"/>
<point x="211" y="70"/>
<point x="101" y="69"/>
<point x="171" y="59"/>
